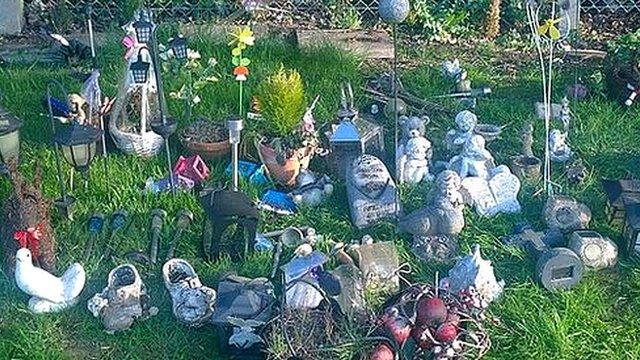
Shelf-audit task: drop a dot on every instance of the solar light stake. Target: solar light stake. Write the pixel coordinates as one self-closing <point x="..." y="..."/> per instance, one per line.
<point x="157" y="220"/>
<point x="183" y="220"/>
<point x="235" y="125"/>
<point x="118" y="221"/>
<point x="96" y="223"/>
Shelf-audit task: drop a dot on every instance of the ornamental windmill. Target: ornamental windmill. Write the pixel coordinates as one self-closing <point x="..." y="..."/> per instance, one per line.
<point x="137" y="103"/>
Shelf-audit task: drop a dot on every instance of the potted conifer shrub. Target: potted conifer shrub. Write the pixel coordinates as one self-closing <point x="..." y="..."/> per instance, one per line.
<point x="289" y="138"/>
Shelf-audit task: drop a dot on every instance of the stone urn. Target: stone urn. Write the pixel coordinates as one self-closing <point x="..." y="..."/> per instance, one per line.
<point x="526" y="165"/>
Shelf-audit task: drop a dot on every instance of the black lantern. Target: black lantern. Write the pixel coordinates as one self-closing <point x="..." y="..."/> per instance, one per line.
<point x="78" y="145"/>
<point x="9" y="138"/>
<point x="140" y="70"/>
<point x="179" y="47"/>
<point x="144" y="29"/>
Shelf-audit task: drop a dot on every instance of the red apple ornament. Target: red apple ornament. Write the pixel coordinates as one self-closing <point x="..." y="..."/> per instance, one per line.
<point x="431" y="311"/>
<point x="397" y="325"/>
<point x="382" y="352"/>
<point x="446" y="333"/>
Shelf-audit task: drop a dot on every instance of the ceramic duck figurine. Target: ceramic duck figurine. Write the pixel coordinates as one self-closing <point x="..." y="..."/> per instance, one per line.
<point x="48" y="293"/>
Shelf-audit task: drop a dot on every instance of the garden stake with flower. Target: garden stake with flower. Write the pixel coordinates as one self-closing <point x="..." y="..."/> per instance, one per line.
<point x="241" y="38"/>
<point x="546" y="34"/>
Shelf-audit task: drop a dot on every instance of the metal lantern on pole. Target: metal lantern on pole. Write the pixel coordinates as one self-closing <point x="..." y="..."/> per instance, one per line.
<point x="165" y="126"/>
<point x="78" y="144"/>
<point x="65" y="203"/>
<point x="235" y="125"/>
<point x="9" y="138"/>
<point x="144" y="28"/>
<point x="179" y="47"/>
<point x="140" y="70"/>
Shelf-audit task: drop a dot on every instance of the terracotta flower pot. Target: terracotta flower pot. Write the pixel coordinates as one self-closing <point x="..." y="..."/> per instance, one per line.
<point x="196" y="141"/>
<point x="208" y="150"/>
<point x="286" y="172"/>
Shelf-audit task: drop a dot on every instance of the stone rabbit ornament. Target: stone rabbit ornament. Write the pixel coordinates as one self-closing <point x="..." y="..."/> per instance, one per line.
<point x="414" y="151"/>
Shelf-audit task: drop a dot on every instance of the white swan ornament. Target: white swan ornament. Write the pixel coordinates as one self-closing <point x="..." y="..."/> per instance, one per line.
<point x="48" y="293"/>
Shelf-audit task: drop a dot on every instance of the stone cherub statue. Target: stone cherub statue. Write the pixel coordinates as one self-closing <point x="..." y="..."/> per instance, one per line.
<point x="414" y="151"/>
<point x="466" y="121"/>
<point x="474" y="160"/>
<point x="558" y="147"/>
<point x="443" y="213"/>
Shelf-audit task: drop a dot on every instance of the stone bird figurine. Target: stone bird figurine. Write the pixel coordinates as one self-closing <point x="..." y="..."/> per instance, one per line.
<point x="48" y="292"/>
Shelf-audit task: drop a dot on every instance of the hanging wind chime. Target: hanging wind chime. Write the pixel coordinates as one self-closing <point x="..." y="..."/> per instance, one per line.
<point x="546" y="34"/>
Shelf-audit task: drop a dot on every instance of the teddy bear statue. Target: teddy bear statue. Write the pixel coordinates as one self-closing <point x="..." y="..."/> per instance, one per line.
<point x="414" y="151"/>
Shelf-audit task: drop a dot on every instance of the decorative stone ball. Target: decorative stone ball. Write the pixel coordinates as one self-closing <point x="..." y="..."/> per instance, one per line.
<point x="394" y="11"/>
<point x="401" y="108"/>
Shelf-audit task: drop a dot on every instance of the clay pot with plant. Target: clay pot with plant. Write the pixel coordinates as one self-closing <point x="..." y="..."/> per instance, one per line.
<point x="189" y="78"/>
<point x="289" y="139"/>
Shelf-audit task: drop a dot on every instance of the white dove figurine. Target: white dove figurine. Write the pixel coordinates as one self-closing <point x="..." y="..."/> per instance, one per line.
<point x="48" y="293"/>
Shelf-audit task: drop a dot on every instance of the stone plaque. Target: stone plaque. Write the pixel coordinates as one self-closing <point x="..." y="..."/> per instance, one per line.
<point x="371" y="191"/>
<point x="497" y="195"/>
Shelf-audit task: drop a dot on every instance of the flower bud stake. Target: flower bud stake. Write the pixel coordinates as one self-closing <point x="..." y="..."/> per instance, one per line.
<point x="241" y="38"/>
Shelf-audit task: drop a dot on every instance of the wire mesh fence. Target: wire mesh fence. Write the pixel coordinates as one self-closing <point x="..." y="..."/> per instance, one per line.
<point x="320" y="13"/>
<point x="610" y="6"/>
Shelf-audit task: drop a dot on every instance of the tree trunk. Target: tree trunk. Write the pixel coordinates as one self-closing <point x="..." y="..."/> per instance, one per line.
<point x="493" y="20"/>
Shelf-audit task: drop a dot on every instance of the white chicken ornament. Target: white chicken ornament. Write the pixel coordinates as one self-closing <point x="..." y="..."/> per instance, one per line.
<point x="48" y="293"/>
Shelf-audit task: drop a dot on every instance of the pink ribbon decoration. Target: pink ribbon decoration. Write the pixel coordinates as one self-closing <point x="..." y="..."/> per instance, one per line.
<point x="129" y="43"/>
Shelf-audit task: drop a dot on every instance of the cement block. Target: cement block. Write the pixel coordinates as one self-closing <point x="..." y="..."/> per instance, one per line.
<point x="11" y="16"/>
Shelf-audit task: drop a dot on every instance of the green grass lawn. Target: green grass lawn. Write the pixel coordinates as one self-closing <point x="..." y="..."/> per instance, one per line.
<point x="596" y="320"/>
